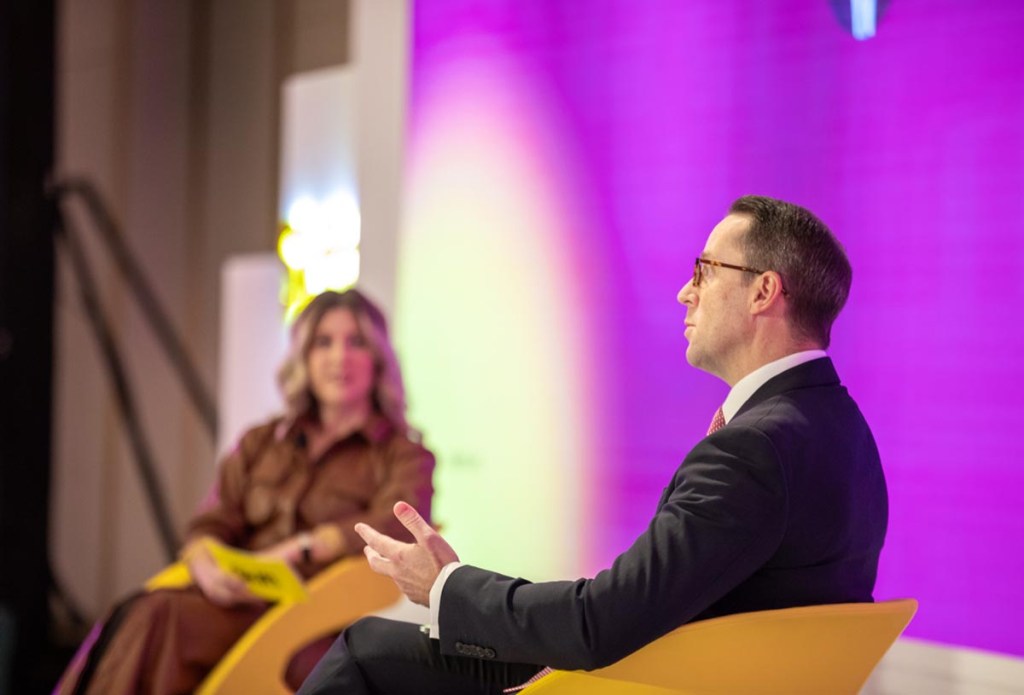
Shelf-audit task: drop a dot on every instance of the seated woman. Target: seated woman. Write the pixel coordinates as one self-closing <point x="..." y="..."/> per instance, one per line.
<point x="293" y="488"/>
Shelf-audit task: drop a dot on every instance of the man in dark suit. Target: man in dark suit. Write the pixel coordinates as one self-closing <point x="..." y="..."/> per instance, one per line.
<point x="782" y="504"/>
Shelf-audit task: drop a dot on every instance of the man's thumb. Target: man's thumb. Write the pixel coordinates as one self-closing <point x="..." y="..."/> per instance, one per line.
<point x="412" y="520"/>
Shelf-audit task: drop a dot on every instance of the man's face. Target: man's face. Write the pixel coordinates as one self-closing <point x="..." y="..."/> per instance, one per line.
<point x="718" y="319"/>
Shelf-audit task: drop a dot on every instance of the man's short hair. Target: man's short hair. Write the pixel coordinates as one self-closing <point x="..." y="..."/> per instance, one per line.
<point x="793" y="242"/>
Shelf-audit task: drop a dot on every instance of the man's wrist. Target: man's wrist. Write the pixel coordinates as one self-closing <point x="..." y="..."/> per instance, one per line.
<point x="434" y="602"/>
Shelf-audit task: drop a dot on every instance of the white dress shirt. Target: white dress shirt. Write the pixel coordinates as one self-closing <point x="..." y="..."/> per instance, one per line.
<point x="748" y="385"/>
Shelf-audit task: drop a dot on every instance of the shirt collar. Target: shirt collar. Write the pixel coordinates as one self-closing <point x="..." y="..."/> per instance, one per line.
<point x="376" y="429"/>
<point x="748" y="385"/>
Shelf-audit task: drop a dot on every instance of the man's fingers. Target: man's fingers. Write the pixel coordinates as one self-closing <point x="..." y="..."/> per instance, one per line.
<point x="378" y="563"/>
<point x="373" y="556"/>
<point x="412" y="520"/>
<point x="365" y="532"/>
<point x="425" y="535"/>
<point x="385" y="545"/>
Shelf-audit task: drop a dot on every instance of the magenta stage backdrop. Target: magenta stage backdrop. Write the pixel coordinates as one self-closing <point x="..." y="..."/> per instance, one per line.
<point x="655" y="115"/>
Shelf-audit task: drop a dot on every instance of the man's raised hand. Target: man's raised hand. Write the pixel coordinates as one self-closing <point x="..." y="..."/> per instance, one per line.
<point x="412" y="566"/>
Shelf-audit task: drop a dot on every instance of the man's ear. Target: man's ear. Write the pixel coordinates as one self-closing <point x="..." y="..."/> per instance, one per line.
<point x="766" y="291"/>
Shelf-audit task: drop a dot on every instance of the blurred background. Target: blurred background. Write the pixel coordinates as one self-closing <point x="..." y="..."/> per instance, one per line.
<point x="523" y="185"/>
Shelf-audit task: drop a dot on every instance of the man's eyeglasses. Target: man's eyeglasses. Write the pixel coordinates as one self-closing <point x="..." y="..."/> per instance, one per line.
<point x="698" y="270"/>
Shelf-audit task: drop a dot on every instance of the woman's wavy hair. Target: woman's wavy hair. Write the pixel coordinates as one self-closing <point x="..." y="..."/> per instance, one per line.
<point x="293" y="377"/>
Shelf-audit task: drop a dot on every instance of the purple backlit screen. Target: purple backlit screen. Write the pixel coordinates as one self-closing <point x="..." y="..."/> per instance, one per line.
<point x="910" y="145"/>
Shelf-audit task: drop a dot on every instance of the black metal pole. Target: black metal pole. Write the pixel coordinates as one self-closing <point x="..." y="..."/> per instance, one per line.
<point x="27" y="79"/>
<point x="122" y="390"/>
<point x="141" y="292"/>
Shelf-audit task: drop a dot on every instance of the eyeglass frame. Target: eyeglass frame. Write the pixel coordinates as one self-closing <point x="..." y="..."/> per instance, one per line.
<point x="698" y="272"/>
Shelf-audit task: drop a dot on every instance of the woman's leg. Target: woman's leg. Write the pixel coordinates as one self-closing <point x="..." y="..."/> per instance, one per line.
<point x="168" y="642"/>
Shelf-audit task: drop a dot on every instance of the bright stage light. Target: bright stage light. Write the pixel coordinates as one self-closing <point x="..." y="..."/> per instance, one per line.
<point x="863" y="18"/>
<point x="319" y="244"/>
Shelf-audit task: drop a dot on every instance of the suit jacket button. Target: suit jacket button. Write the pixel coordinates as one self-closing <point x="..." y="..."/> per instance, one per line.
<point x="488" y="653"/>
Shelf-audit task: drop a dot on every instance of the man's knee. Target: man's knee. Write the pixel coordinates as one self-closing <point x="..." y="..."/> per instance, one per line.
<point x="373" y="639"/>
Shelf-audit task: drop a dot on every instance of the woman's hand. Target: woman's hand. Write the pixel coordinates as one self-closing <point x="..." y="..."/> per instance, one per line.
<point x="322" y="545"/>
<point x="218" y="586"/>
<point x="327" y="543"/>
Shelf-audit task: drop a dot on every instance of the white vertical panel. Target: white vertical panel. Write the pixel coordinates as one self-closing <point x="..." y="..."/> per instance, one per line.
<point x="253" y="340"/>
<point x="317" y="136"/>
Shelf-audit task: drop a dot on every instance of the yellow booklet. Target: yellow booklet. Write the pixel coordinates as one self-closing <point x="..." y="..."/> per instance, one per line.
<point x="273" y="580"/>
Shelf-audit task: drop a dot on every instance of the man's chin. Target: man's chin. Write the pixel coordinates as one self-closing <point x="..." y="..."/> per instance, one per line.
<point x="692" y="356"/>
<point x="699" y="360"/>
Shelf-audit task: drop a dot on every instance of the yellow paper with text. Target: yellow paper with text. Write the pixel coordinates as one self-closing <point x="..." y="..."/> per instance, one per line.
<point x="272" y="580"/>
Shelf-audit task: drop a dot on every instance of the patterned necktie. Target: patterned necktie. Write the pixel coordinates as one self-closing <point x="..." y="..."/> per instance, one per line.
<point x="717" y="422"/>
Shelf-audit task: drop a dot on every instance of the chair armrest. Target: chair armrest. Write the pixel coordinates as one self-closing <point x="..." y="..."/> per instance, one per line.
<point x="339" y="595"/>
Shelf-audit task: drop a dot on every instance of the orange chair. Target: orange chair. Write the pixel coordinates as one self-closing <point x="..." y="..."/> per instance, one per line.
<point x="339" y="595"/>
<point x="829" y="649"/>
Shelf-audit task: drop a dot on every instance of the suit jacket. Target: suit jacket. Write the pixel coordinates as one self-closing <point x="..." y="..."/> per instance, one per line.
<point x="784" y="506"/>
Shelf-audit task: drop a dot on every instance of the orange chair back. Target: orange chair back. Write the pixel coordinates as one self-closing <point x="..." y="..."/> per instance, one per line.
<point x="812" y="649"/>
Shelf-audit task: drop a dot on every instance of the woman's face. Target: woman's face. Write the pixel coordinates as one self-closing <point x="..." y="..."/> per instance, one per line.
<point x="340" y="362"/>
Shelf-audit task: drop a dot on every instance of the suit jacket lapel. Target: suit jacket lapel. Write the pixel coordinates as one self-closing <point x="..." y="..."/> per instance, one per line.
<point x="819" y="372"/>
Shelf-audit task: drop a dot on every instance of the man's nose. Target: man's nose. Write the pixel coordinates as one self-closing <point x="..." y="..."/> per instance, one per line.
<point x="686" y="294"/>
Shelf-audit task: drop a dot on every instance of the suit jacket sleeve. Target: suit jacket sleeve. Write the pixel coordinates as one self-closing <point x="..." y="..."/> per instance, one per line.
<point x="721" y="518"/>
